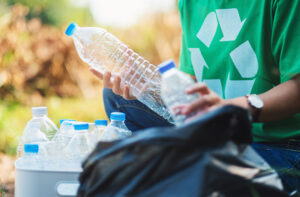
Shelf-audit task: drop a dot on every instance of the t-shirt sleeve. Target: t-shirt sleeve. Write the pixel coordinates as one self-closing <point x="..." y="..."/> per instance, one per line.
<point x="185" y="60"/>
<point x="286" y="37"/>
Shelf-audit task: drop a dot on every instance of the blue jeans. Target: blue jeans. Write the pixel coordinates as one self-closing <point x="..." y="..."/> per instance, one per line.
<point x="138" y="115"/>
<point x="285" y="158"/>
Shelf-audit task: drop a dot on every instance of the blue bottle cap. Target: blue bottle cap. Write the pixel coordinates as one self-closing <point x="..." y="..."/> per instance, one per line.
<point x="81" y="126"/>
<point x="117" y="116"/>
<point x="62" y="120"/>
<point x="70" y="29"/>
<point x="31" y="148"/>
<point x="165" y="66"/>
<point x="101" y="122"/>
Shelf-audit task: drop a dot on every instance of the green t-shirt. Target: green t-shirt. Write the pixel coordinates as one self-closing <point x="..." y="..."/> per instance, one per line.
<point x="241" y="47"/>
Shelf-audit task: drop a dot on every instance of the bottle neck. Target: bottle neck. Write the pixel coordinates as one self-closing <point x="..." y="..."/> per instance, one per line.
<point x="30" y="154"/>
<point x="100" y="126"/>
<point x="117" y="123"/>
<point x="39" y="115"/>
<point x="81" y="131"/>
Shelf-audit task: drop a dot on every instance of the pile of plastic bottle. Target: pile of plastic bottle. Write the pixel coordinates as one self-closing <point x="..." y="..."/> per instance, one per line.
<point x="45" y="147"/>
<point x="158" y="88"/>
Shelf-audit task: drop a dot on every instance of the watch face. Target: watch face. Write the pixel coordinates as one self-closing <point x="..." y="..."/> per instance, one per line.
<point x="256" y="101"/>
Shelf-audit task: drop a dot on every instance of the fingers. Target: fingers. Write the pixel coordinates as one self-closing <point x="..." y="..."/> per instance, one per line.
<point x="201" y="103"/>
<point x="106" y="80"/>
<point x="116" y="86"/>
<point x="198" y="114"/>
<point x="198" y="87"/>
<point x="126" y="93"/>
<point x="178" y="108"/>
<point x="96" y="73"/>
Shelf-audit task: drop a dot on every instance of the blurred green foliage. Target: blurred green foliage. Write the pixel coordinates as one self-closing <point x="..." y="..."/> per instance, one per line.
<point x="53" y="12"/>
<point x="14" y="116"/>
<point x="39" y="64"/>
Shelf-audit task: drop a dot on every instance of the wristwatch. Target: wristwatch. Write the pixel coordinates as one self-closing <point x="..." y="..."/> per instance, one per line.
<point x="256" y="103"/>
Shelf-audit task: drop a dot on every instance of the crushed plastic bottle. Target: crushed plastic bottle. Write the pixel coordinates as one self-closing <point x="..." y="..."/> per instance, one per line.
<point x="104" y="52"/>
<point x="174" y="84"/>
<point x="116" y="129"/>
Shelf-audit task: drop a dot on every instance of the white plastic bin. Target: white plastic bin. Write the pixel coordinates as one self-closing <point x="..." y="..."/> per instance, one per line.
<point x="37" y="183"/>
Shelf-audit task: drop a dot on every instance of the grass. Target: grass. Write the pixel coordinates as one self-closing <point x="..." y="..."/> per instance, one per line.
<point x="13" y="117"/>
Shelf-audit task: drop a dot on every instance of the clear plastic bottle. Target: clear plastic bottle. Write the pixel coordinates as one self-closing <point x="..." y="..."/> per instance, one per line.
<point x="30" y="160"/>
<point x="96" y="133"/>
<point x="39" y="114"/>
<point x="174" y="84"/>
<point x="56" y="157"/>
<point x="104" y="52"/>
<point x="116" y="129"/>
<point x="79" y="146"/>
<point x="33" y="134"/>
<point x="65" y="133"/>
<point x="92" y="127"/>
<point x="100" y="127"/>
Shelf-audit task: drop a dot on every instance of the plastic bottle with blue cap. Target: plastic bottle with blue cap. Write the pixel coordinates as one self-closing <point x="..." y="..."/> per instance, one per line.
<point x="104" y="52"/>
<point x="117" y="128"/>
<point x="79" y="146"/>
<point x="174" y="84"/>
<point x="33" y="134"/>
<point x="100" y="126"/>
<point x="30" y="159"/>
<point x="65" y="133"/>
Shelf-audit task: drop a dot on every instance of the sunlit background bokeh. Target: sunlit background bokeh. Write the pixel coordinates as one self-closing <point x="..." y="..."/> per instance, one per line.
<point x="40" y="66"/>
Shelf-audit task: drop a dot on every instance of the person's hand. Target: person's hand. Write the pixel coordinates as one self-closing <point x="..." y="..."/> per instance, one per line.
<point x="207" y="101"/>
<point x="114" y="84"/>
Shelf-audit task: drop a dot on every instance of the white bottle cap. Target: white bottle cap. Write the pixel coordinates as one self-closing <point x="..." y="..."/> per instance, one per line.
<point x="39" y="111"/>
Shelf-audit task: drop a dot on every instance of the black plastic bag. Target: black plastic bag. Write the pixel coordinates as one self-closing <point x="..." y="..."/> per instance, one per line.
<point x="207" y="157"/>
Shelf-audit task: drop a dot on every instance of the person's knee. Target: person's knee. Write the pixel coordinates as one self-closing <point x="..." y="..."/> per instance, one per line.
<point x="109" y="97"/>
<point x="108" y="93"/>
<point x="110" y="100"/>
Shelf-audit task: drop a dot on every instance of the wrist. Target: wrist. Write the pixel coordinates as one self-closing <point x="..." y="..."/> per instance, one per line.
<point x="241" y="102"/>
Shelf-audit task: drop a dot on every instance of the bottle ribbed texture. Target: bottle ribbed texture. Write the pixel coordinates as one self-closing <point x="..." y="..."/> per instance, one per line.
<point x="104" y="52"/>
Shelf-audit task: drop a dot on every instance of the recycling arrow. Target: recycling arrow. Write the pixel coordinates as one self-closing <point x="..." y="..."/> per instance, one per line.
<point x="243" y="57"/>
<point x="208" y="29"/>
<point x="198" y="62"/>
<point x="230" y="23"/>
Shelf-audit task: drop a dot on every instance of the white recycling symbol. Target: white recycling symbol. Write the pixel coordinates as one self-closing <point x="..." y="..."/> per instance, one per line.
<point x="243" y="57"/>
